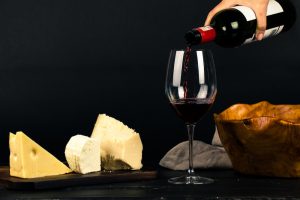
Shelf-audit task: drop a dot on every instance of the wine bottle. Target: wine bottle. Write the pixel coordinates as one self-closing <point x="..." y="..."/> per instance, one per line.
<point x="236" y="26"/>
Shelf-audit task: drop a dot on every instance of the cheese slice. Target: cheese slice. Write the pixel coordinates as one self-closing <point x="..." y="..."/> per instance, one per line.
<point x="121" y="147"/>
<point x="29" y="160"/>
<point x="83" y="154"/>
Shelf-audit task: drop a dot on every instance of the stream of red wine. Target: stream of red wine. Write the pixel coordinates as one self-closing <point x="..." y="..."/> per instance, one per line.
<point x="186" y="68"/>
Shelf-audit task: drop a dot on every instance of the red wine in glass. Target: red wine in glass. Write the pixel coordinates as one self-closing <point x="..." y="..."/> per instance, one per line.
<point x="191" y="111"/>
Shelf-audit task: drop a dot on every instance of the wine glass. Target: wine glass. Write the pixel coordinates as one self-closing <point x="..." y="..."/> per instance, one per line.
<point x="191" y="88"/>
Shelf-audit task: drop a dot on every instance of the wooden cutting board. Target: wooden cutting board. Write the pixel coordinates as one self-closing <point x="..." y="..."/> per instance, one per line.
<point x="72" y="179"/>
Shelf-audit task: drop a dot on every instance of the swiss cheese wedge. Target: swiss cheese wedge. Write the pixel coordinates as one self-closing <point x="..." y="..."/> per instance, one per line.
<point x="29" y="160"/>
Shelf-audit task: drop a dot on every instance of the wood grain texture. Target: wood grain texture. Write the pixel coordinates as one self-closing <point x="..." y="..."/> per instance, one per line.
<point x="73" y="179"/>
<point x="262" y="139"/>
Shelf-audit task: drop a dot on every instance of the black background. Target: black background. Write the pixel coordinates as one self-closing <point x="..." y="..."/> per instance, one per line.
<point x="64" y="62"/>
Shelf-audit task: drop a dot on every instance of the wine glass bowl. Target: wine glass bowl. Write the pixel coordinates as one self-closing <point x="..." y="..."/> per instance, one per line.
<point x="191" y="88"/>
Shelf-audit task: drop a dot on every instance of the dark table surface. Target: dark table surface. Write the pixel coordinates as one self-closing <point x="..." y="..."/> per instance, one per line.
<point x="228" y="185"/>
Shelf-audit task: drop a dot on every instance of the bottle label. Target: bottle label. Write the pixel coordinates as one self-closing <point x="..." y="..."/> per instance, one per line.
<point x="268" y="33"/>
<point x="273" y="8"/>
<point x="273" y="31"/>
<point x="208" y="33"/>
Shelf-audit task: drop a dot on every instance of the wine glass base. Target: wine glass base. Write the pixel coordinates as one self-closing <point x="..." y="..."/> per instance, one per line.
<point x="190" y="179"/>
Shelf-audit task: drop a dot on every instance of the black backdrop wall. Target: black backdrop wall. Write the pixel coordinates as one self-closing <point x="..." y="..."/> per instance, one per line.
<point x="64" y="62"/>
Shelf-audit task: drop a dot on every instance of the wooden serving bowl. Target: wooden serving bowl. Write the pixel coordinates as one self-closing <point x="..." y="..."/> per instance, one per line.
<point x="262" y="139"/>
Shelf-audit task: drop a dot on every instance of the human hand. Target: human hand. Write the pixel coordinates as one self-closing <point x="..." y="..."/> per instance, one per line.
<point x="258" y="6"/>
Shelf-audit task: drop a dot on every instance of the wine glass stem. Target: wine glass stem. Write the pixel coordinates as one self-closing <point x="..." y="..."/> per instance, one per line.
<point x="190" y="129"/>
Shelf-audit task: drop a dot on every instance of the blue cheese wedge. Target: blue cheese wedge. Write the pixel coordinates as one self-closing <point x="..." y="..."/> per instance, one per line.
<point x="120" y="146"/>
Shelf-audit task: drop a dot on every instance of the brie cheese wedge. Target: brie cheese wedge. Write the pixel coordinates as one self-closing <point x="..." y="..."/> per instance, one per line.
<point x="83" y="154"/>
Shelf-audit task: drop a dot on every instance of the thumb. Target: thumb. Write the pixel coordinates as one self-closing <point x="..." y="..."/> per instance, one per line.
<point x="261" y="24"/>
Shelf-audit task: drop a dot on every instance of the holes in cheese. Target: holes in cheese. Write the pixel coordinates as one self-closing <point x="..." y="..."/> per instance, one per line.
<point x="29" y="160"/>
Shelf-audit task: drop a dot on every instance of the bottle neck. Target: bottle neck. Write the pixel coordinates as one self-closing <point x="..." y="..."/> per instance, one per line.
<point x="208" y="33"/>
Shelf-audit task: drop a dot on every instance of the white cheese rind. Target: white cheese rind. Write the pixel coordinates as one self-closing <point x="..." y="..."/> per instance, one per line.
<point x="83" y="154"/>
